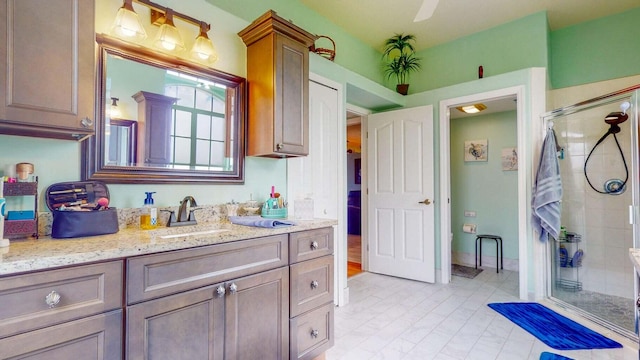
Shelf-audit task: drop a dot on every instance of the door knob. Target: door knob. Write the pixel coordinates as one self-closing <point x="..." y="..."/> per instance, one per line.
<point x="426" y="202"/>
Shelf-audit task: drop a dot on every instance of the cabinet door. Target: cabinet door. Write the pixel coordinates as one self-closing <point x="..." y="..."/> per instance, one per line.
<point x="257" y="312"/>
<point x="96" y="337"/>
<point x="291" y="128"/>
<point x="47" y="76"/>
<point x="189" y="325"/>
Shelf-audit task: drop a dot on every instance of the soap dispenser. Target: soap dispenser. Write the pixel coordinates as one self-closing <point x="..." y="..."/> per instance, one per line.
<point x="149" y="216"/>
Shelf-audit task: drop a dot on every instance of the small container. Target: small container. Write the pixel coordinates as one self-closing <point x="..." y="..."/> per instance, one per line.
<point x="24" y="172"/>
<point x="149" y="216"/>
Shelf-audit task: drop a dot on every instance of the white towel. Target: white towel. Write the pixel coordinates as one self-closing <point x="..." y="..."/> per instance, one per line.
<point x="547" y="191"/>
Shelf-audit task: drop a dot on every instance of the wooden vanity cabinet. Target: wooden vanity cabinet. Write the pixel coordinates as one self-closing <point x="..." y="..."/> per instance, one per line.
<point x="311" y="323"/>
<point x="47" y="72"/>
<point x="71" y="313"/>
<point x="278" y="77"/>
<point x="241" y="312"/>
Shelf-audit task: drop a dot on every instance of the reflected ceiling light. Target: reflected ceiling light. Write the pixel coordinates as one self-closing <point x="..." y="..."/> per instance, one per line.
<point x="168" y="37"/>
<point x="127" y="23"/>
<point x="471" y="109"/>
<point x="203" y="48"/>
<point x="114" y="111"/>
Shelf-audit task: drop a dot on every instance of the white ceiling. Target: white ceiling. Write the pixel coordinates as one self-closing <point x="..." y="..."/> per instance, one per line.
<point x="373" y="21"/>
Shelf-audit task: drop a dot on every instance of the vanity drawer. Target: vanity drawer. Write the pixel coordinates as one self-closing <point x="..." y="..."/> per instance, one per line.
<point x="311" y="333"/>
<point x="82" y="290"/>
<point x="311" y="284"/>
<point x="307" y="245"/>
<point x="152" y="276"/>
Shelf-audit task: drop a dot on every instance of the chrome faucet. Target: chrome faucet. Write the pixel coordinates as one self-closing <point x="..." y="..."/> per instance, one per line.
<point x="183" y="219"/>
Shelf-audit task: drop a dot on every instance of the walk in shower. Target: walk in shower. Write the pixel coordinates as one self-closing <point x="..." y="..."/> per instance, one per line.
<point x="589" y="267"/>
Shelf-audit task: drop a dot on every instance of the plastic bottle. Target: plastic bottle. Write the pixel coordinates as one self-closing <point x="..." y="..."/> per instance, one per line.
<point x="149" y="216"/>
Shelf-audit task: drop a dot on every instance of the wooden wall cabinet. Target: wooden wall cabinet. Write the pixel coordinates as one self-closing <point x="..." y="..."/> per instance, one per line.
<point x="278" y="77"/>
<point x="47" y="73"/>
<point x="154" y="123"/>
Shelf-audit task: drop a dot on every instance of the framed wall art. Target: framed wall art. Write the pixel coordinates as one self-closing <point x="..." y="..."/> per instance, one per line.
<point x="476" y="150"/>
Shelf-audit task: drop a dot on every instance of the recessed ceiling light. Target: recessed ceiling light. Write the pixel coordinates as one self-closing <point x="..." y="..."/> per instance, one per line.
<point x="471" y="109"/>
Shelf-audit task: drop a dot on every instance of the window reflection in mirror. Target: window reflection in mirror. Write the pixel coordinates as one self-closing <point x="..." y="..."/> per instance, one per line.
<point x="177" y="121"/>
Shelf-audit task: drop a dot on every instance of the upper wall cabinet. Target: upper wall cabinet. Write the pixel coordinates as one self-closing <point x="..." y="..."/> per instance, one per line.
<point x="47" y="62"/>
<point x="278" y="76"/>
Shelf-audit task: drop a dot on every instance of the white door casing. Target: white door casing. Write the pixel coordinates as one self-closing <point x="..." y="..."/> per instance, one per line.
<point x="321" y="175"/>
<point x="400" y="186"/>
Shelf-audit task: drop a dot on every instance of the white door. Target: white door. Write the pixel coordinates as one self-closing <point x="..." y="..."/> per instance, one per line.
<point x="401" y="193"/>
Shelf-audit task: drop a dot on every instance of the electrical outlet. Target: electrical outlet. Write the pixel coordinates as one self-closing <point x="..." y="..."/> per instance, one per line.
<point x="468" y="213"/>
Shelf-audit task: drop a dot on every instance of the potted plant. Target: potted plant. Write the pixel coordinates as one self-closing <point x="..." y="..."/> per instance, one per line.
<point x="401" y="60"/>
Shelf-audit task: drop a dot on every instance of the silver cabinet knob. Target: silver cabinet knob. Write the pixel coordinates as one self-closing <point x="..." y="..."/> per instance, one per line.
<point x="52" y="299"/>
<point x="314" y="333"/>
<point x="86" y="122"/>
<point x="279" y="146"/>
<point x="314" y="245"/>
<point x="314" y="284"/>
<point x="220" y="291"/>
<point x="233" y="288"/>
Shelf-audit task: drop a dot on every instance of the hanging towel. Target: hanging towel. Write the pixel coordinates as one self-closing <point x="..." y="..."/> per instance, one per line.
<point x="547" y="191"/>
<point x="259" y="221"/>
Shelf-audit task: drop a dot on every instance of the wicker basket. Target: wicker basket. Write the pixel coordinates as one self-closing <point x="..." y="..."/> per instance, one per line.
<point x="325" y="52"/>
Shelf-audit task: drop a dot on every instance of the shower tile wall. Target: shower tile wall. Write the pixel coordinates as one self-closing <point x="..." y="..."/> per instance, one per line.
<point x="602" y="220"/>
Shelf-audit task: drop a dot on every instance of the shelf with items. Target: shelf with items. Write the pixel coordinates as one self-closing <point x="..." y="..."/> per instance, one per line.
<point x="19" y="227"/>
<point x="569" y="265"/>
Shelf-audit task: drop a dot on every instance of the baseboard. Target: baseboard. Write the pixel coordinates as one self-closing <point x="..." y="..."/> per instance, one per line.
<point x="488" y="261"/>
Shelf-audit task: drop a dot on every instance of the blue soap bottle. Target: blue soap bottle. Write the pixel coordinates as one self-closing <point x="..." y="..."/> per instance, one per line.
<point x="149" y="216"/>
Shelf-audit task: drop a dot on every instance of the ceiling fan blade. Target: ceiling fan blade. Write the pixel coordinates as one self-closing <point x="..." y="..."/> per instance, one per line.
<point x="426" y="10"/>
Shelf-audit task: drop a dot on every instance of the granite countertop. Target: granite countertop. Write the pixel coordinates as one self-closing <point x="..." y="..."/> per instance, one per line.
<point x="45" y="253"/>
<point x="634" y="254"/>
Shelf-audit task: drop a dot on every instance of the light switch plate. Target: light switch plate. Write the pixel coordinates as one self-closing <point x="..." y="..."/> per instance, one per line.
<point x="469" y="213"/>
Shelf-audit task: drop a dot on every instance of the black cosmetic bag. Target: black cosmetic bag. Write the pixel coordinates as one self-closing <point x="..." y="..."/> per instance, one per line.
<point x="91" y="220"/>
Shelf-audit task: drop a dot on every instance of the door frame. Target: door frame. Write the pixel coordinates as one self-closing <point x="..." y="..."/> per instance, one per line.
<point x="445" y="179"/>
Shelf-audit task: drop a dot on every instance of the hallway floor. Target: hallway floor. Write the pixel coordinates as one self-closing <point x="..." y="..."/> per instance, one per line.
<point x="392" y="318"/>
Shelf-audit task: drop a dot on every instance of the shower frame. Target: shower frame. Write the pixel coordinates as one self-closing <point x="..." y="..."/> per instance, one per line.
<point x="631" y="94"/>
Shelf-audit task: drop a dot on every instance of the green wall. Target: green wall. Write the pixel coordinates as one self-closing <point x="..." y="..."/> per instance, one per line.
<point x="484" y="187"/>
<point x="513" y="46"/>
<point x="602" y="49"/>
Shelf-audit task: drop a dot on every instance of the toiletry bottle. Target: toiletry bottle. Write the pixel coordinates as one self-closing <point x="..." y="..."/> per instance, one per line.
<point x="149" y="216"/>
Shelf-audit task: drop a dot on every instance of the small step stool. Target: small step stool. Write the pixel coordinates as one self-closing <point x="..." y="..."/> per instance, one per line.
<point x="499" y="261"/>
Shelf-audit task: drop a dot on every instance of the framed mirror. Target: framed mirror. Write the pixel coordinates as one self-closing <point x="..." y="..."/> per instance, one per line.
<point x="162" y="119"/>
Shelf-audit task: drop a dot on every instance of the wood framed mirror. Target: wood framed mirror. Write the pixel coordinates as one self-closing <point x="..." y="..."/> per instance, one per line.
<point x="177" y="122"/>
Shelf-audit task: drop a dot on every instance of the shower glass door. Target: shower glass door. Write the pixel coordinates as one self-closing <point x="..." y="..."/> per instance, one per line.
<point x="590" y="270"/>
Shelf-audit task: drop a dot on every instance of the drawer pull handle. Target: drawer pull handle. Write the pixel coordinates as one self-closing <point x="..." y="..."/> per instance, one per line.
<point x="314" y="245"/>
<point x="314" y="333"/>
<point x="52" y="299"/>
<point x="233" y="288"/>
<point x="220" y="291"/>
<point x="314" y="284"/>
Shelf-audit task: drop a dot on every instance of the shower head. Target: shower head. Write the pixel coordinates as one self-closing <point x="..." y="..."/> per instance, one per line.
<point x="616" y="118"/>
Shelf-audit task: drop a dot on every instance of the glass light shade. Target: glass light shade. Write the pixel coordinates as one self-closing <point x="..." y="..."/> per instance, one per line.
<point x="203" y="49"/>
<point x="127" y="24"/>
<point x="114" y="111"/>
<point x="168" y="36"/>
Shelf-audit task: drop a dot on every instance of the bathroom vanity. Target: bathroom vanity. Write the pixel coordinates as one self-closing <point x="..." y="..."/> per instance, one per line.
<point x="231" y="293"/>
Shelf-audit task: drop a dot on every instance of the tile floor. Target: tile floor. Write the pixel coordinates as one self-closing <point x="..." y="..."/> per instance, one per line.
<point x="392" y="318"/>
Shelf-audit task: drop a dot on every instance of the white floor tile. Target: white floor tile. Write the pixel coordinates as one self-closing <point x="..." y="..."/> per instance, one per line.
<point x="444" y="322"/>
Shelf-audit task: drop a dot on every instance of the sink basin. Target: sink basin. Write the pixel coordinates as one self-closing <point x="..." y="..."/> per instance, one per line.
<point x="192" y="233"/>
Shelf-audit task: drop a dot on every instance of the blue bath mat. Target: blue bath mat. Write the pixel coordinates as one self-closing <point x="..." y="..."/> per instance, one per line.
<point x="552" y="328"/>
<point x="551" y="356"/>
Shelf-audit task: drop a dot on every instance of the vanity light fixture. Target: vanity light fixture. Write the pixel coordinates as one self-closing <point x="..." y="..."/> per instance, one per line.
<point x="127" y="23"/>
<point x="168" y="37"/>
<point x="203" y="48"/>
<point x="471" y="109"/>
